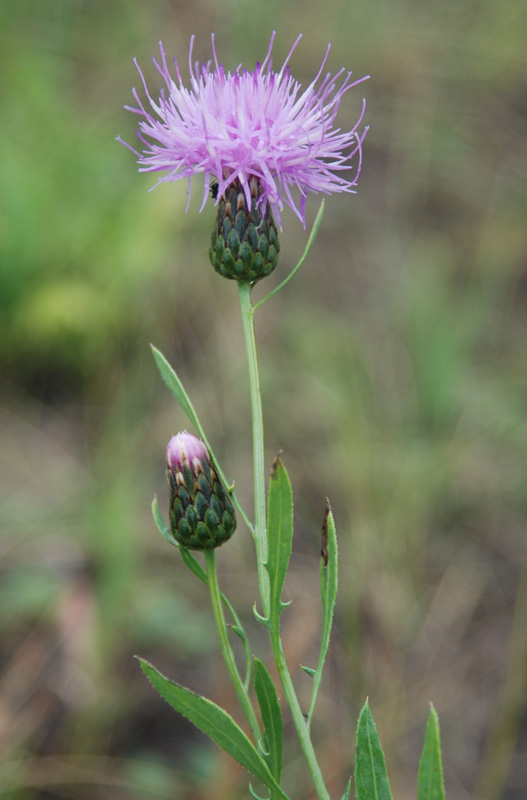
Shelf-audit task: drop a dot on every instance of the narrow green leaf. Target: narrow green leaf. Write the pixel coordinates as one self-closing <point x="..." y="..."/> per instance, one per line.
<point x="280" y="537"/>
<point x="192" y="563"/>
<point x="310" y="671"/>
<point x="430" y="784"/>
<point x="171" y="379"/>
<point x="347" y="791"/>
<point x="215" y="722"/>
<point x="259" y="616"/>
<point x="371" y="778"/>
<point x="328" y="591"/>
<point x="176" y="387"/>
<point x="311" y="239"/>
<point x="271" y="716"/>
<point x="163" y="529"/>
<point x="328" y="574"/>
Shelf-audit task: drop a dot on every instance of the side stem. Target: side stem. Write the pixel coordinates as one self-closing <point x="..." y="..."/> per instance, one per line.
<point x="260" y="525"/>
<point x="225" y="645"/>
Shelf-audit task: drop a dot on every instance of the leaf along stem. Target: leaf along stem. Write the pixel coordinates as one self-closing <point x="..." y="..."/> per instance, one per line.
<point x="328" y="591"/>
<point x="173" y="382"/>
<point x="314" y="231"/>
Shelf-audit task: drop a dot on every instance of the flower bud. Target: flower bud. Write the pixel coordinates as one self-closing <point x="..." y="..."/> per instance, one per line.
<point x="201" y="513"/>
<point x="244" y="243"/>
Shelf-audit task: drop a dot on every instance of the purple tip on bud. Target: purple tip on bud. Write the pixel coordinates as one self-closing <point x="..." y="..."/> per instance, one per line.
<point x="185" y="449"/>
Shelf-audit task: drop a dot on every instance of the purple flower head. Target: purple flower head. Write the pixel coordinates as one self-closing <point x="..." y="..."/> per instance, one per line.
<point x="185" y="449"/>
<point x="250" y="124"/>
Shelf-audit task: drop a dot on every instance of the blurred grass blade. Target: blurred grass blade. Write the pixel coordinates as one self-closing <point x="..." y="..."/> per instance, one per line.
<point x="430" y="784"/>
<point x="328" y="591"/>
<point x="371" y="778"/>
<point x="280" y="538"/>
<point x="347" y="791"/>
<point x="271" y="716"/>
<point x="215" y="723"/>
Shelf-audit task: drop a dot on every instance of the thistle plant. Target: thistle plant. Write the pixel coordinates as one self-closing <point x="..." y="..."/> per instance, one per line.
<point x="261" y="142"/>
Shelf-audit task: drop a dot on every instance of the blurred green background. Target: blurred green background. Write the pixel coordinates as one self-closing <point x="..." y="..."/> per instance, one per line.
<point x="394" y="377"/>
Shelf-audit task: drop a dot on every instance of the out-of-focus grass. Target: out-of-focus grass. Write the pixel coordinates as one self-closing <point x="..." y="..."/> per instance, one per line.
<point x="393" y="371"/>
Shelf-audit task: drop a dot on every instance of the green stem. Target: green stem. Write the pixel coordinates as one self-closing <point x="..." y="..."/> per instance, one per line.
<point x="299" y="720"/>
<point x="260" y="528"/>
<point x="225" y="645"/>
<point x="260" y="536"/>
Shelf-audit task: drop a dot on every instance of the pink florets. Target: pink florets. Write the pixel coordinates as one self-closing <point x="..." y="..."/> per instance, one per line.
<point x="258" y="123"/>
<point x="186" y="449"/>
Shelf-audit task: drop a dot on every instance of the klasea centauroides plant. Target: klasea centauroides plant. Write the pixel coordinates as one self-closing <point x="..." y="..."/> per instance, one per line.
<point x="261" y="141"/>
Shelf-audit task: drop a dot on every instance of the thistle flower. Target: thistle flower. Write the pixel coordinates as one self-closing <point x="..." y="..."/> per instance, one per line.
<point x="201" y="514"/>
<point x="250" y="125"/>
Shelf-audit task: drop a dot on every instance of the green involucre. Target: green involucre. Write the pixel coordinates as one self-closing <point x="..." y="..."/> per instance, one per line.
<point x="244" y="244"/>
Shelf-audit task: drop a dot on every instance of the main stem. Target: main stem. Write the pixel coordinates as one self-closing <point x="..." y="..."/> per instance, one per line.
<point x="260" y="535"/>
<point x="299" y="720"/>
<point x="260" y="526"/>
<point x="225" y="645"/>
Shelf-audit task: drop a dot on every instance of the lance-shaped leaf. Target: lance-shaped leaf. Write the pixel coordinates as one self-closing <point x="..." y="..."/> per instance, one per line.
<point x="176" y="387"/>
<point x="430" y="784"/>
<point x="280" y="538"/>
<point x="371" y="778"/>
<point x="271" y="717"/>
<point x="216" y="723"/>
<point x="328" y="591"/>
<point x="171" y="379"/>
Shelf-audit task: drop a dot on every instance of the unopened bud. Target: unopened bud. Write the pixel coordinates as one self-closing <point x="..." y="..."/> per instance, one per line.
<point x="201" y="513"/>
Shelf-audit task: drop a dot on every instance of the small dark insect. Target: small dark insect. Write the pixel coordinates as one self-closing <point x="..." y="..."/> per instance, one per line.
<point x="214" y="190"/>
